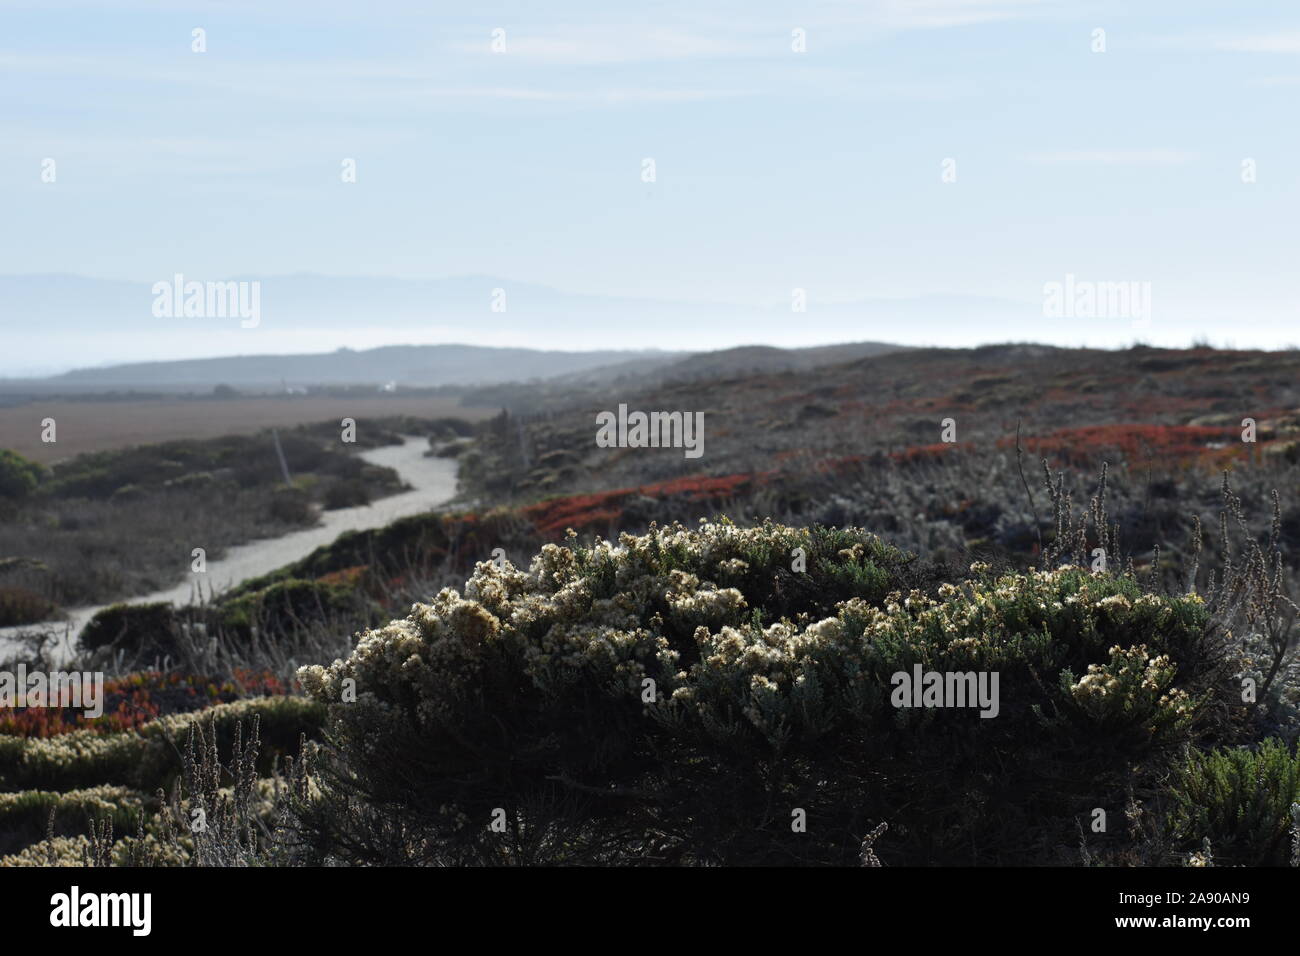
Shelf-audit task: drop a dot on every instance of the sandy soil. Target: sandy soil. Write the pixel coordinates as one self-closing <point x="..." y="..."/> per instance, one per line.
<point x="433" y="482"/>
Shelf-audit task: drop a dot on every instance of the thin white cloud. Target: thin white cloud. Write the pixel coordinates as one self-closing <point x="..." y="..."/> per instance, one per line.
<point x="594" y="96"/>
<point x="941" y="14"/>
<point x="1282" y="41"/>
<point x="347" y="81"/>
<point x="1114" y="157"/>
<point x="593" y="45"/>
<point x="743" y="32"/>
<point x="1263" y="43"/>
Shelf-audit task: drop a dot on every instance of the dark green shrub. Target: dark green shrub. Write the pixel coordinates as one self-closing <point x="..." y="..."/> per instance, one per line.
<point x="23" y="606"/>
<point x="147" y="629"/>
<point x="772" y="692"/>
<point x="451" y="449"/>
<point x="128" y="493"/>
<point x="1241" y="800"/>
<point x="18" y="476"/>
<point x="347" y="493"/>
<point x="290" y="605"/>
<point x="449" y="428"/>
<point x="195" y="481"/>
<point x="291" y="506"/>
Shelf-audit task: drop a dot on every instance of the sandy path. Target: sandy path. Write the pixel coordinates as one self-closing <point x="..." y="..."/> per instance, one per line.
<point x="433" y="483"/>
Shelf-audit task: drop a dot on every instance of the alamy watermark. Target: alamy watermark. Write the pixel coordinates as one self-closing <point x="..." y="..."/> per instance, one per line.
<point x="651" y="430"/>
<point x="946" y="689"/>
<point x="176" y="299"/>
<point x="75" y="689"/>
<point x="1084" y="299"/>
<point x="77" y="909"/>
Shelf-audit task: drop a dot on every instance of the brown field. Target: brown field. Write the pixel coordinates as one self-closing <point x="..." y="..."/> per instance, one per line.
<point x="99" y="425"/>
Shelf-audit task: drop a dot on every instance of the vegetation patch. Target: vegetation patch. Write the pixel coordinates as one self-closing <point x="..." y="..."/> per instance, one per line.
<point x="678" y="696"/>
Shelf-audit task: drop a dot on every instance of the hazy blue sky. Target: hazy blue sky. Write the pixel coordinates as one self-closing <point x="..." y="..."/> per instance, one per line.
<point x="774" y="169"/>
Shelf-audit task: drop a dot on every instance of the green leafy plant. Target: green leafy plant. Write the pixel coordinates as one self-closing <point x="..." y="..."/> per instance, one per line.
<point x="18" y="476"/>
<point x="1241" y="799"/>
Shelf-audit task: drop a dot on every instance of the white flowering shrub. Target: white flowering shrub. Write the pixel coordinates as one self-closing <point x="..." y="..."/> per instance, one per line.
<point x="148" y="758"/>
<point x="25" y="815"/>
<point x="671" y="698"/>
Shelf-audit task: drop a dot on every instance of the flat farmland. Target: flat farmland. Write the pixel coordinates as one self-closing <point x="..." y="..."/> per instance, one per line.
<point x="99" y="424"/>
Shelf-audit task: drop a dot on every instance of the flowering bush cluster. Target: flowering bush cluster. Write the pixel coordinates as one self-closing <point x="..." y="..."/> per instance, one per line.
<point x="681" y="695"/>
<point x="148" y="757"/>
<point x="25" y="816"/>
<point x="1131" y="682"/>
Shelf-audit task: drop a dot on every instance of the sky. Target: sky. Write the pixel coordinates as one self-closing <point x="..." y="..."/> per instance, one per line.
<point x="852" y="150"/>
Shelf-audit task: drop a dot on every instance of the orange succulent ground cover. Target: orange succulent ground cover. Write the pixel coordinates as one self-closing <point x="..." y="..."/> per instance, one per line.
<point x="138" y="698"/>
<point x="594" y="511"/>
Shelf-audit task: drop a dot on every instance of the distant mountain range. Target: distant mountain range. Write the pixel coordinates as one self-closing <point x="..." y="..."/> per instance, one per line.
<point x="403" y="365"/>
<point x="416" y="366"/>
<point x="53" y="323"/>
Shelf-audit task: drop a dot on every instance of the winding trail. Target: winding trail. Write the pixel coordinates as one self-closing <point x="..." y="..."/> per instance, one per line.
<point x="432" y="481"/>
